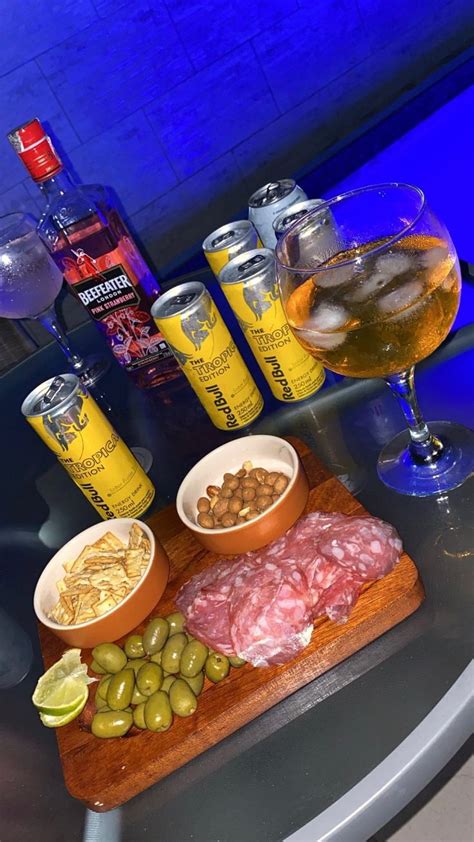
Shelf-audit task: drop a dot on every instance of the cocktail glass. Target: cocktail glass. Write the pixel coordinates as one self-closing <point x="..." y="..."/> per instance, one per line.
<point x="371" y="298"/>
<point x="30" y="282"/>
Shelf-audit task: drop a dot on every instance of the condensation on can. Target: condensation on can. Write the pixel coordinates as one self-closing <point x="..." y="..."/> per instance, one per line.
<point x="228" y="241"/>
<point x="250" y="285"/>
<point x="268" y="201"/>
<point x="200" y="340"/>
<point x="98" y="461"/>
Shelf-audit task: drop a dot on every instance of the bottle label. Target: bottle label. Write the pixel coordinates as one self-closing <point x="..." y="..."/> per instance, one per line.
<point x="111" y="287"/>
<point x="114" y="291"/>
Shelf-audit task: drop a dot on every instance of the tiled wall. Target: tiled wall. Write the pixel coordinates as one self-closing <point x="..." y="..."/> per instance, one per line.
<point x="185" y="106"/>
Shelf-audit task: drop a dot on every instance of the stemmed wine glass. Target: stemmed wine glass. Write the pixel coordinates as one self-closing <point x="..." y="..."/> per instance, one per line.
<point x="371" y="295"/>
<point x="30" y="282"/>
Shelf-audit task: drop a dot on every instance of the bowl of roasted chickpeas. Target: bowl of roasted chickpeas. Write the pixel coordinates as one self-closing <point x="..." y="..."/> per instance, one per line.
<point x="244" y="494"/>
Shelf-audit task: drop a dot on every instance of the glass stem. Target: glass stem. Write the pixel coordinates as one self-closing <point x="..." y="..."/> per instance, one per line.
<point x="50" y="321"/>
<point x="423" y="446"/>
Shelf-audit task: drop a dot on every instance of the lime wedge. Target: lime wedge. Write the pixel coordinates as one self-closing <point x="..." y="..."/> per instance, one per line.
<point x="57" y="721"/>
<point x="64" y="686"/>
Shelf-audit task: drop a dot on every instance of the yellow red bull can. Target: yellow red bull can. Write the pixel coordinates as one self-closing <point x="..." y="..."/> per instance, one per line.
<point x="71" y="424"/>
<point x="228" y="241"/>
<point x="200" y="340"/>
<point x="250" y="285"/>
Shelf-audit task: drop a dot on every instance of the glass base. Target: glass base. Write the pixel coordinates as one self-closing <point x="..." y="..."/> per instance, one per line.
<point x="94" y="369"/>
<point x="398" y="469"/>
<point x="143" y="457"/>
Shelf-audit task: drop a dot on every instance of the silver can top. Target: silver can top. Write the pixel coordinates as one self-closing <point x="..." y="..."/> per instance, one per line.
<point x="272" y="192"/>
<point x="227" y="235"/>
<point x="52" y="396"/>
<point x="249" y="266"/>
<point x="289" y="215"/>
<point x="178" y="299"/>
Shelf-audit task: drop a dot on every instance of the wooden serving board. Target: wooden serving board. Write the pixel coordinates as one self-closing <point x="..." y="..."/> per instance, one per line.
<point x="106" y="773"/>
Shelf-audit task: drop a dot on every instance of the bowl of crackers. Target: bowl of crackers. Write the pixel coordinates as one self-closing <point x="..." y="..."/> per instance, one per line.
<point x="102" y="583"/>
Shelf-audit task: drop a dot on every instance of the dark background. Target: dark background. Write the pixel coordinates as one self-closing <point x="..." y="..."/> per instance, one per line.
<point x="185" y="107"/>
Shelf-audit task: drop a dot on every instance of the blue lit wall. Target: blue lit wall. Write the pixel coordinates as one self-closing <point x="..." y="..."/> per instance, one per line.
<point x="186" y="106"/>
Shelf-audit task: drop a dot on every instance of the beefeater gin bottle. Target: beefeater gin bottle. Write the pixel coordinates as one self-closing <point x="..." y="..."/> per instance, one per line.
<point x="90" y="243"/>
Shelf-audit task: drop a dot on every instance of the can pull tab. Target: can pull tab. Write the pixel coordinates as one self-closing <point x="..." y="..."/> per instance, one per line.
<point x="252" y="261"/>
<point x="53" y="391"/>
<point x="271" y="191"/>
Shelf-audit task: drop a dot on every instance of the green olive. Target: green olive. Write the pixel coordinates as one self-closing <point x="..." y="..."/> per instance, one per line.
<point x="167" y="682"/>
<point x="193" y="658"/>
<point x="137" y="697"/>
<point x="134" y="646"/>
<point x="236" y="662"/>
<point x="189" y="636"/>
<point x="196" y="683"/>
<point x="155" y="635"/>
<point x="158" y="714"/>
<point x="95" y="667"/>
<point x="156" y="657"/>
<point x="139" y="716"/>
<point x="100" y="702"/>
<point x="182" y="699"/>
<point x="175" y="622"/>
<point x="172" y="652"/>
<point x="135" y="664"/>
<point x="120" y="690"/>
<point x="103" y="686"/>
<point x="110" y="657"/>
<point x="217" y="667"/>
<point x="111" y="723"/>
<point x="149" y="679"/>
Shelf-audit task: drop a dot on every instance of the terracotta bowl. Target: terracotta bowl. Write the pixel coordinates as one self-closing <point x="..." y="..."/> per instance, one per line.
<point x="128" y="613"/>
<point x="269" y="452"/>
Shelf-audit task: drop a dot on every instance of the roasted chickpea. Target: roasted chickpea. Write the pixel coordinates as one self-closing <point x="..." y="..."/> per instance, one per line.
<point x="280" y="484"/>
<point x="264" y="490"/>
<point x="251" y="514"/>
<point x="213" y="490"/>
<point x="235" y="505"/>
<point x="272" y="477"/>
<point x="264" y="502"/>
<point x="205" y="520"/>
<point x="249" y="482"/>
<point x="226" y="491"/>
<point x="260" y="474"/>
<point x="248" y="494"/>
<point x="220" y="508"/>
<point x="228" y="519"/>
<point x="203" y="504"/>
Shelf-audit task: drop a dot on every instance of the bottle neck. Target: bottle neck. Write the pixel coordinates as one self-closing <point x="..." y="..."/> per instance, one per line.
<point x="56" y="186"/>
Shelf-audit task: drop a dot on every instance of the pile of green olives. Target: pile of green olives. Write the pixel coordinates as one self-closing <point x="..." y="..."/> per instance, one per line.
<point x="154" y="676"/>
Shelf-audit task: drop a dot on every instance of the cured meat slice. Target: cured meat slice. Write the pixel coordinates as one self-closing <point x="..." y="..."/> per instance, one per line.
<point x="339" y="598"/>
<point x="208" y="619"/>
<point x="193" y="586"/>
<point x="366" y="546"/>
<point x="270" y="617"/>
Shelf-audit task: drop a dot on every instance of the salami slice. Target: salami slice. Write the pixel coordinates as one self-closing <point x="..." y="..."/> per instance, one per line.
<point x="270" y="617"/>
<point x="366" y="546"/>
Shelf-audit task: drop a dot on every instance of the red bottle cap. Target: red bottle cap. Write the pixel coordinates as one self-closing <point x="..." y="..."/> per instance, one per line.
<point x="35" y="149"/>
